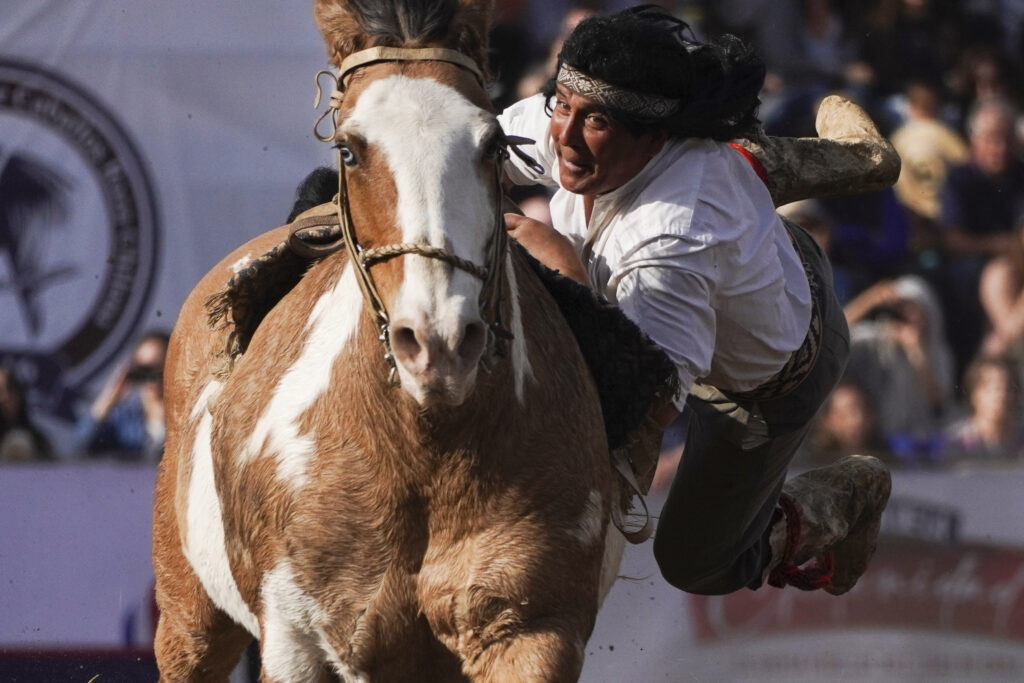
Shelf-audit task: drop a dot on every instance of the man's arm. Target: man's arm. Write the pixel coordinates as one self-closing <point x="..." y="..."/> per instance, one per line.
<point x="548" y="246"/>
<point x="959" y="241"/>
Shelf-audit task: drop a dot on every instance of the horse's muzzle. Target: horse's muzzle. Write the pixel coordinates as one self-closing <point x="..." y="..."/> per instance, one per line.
<point x="435" y="366"/>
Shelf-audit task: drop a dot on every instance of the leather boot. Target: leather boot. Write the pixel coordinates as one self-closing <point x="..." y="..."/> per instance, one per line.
<point x="849" y="156"/>
<point x="831" y="514"/>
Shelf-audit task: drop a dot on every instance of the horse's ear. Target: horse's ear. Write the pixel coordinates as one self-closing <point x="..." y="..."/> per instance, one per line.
<point x="472" y="24"/>
<point x="339" y="22"/>
<point x="340" y="29"/>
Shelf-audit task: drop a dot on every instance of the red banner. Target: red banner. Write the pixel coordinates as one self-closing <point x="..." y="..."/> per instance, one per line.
<point x="956" y="589"/>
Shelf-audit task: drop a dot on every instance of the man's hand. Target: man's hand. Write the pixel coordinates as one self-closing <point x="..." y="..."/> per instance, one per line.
<point x="547" y="246"/>
<point x="116" y="388"/>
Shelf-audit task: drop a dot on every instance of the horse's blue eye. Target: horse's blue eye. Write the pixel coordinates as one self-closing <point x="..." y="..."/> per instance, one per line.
<point x="348" y="157"/>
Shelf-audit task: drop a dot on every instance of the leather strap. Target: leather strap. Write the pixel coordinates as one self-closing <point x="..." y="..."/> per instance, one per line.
<point x="404" y="54"/>
<point x="625" y="470"/>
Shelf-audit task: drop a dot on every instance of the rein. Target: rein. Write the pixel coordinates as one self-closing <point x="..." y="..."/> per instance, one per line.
<point x="491" y="274"/>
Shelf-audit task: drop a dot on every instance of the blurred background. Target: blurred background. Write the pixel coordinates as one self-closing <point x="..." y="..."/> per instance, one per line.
<point x="141" y="141"/>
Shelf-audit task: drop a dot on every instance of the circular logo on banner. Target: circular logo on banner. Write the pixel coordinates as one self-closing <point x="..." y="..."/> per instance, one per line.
<point x="78" y="234"/>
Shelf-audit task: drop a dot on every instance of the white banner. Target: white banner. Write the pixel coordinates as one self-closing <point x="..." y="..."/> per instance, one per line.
<point x="139" y="143"/>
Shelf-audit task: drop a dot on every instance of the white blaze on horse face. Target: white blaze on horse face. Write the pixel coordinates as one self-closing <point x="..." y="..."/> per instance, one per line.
<point x="431" y="137"/>
<point x="205" y="547"/>
<point x="332" y="323"/>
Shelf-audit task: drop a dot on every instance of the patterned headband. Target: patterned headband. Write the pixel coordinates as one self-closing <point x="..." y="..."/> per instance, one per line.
<point x="614" y="97"/>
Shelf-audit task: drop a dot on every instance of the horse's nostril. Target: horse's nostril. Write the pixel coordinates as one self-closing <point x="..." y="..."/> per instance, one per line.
<point x="404" y="342"/>
<point x="472" y="344"/>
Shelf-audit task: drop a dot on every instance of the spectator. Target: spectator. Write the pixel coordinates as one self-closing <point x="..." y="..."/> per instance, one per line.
<point x="126" y="421"/>
<point x="910" y="40"/>
<point x="512" y="49"/>
<point x="981" y="201"/>
<point x="1002" y="298"/>
<point x="846" y="425"/>
<point x="810" y="52"/>
<point x="899" y="354"/>
<point x="983" y="73"/>
<point x="929" y="148"/>
<point x="20" y="439"/>
<point x="993" y="431"/>
<point x="870" y="236"/>
<point x="537" y="75"/>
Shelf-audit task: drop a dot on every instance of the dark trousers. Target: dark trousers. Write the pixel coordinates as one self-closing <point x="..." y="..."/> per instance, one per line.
<point x="712" y="536"/>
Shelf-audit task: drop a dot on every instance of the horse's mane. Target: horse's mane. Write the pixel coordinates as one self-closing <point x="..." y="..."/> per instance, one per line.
<point x="404" y="21"/>
<point x="352" y="25"/>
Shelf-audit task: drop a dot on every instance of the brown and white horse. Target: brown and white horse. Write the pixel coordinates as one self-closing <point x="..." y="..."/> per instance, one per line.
<point x="449" y="527"/>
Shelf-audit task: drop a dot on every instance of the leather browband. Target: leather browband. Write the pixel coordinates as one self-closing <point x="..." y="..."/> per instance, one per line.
<point x="403" y="54"/>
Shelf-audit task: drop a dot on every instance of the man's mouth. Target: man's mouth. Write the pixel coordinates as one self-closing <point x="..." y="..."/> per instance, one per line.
<point x="573" y="167"/>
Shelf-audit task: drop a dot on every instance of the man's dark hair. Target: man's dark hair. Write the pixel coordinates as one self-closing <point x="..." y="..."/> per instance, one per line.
<point x="644" y="49"/>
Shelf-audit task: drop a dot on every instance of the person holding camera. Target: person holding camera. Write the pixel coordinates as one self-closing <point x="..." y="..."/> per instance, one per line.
<point x="900" y="354"/>
<point x="126" y="421"/>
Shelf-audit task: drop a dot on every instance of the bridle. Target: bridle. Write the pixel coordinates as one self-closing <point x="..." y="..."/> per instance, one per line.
<point x="492" y="273"/>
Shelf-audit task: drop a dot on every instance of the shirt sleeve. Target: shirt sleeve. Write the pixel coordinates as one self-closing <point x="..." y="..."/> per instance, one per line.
<point x="673" y="307"/>
<point x="528" y="119"/>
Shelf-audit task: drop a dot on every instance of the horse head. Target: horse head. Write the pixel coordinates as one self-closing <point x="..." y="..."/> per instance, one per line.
<point x="419" y="157"/>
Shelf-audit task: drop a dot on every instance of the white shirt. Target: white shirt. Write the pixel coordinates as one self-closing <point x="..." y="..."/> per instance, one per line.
<point x="690" y="249"/>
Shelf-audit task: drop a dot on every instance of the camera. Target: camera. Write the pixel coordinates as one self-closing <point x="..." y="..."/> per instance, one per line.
<point x="889" y="313"/>
<point x="145" y="373"/>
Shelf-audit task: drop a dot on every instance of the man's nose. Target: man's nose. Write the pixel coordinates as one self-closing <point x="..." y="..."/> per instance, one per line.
<point x="570" y="133"/>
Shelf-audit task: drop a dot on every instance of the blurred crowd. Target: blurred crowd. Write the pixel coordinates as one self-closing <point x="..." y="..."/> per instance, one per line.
<point x="123" y="422"/>
<point x="931" y="271"/>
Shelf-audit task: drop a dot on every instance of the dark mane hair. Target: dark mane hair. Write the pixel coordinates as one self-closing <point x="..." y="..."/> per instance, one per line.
<point x="353" y="25"/>
<point x="644" y="49"/>
<point x="402" y="22"/>
<point x="317" y="188"/>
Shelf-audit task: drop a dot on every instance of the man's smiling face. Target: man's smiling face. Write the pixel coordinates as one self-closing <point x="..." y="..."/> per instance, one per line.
<point x="596" y="154"/>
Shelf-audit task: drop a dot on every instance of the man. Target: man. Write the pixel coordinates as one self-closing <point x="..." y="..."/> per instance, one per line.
<point x="126" y="420"/>
<point x="675" y="227"/>
<point x="983" y="198"/>
<point x="981" y="203"/>
<point x="929" y="148"/>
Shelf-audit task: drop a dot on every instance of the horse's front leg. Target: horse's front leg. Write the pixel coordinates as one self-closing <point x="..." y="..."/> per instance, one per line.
<point x="517" y="604"/>
<point x="195" y="641"/>
<point x="544" y="649"/>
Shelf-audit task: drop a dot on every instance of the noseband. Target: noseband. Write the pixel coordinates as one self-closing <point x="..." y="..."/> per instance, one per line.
<point x="492" y="273"/>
